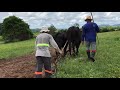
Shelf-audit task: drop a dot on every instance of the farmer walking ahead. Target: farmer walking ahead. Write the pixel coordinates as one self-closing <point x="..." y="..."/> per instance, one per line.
<point x="89" y="32"/>
<point x="43" y="41"/>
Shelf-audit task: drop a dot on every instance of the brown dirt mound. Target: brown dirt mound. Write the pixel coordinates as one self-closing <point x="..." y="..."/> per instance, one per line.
<point x="21" y="67"/>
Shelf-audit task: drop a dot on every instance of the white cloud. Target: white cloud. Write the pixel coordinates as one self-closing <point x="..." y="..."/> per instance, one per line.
<point x="10" y="13"/>
<point x="108" y="13"/>
<point x="64" y="19"/>
<point x="59" y="14"/>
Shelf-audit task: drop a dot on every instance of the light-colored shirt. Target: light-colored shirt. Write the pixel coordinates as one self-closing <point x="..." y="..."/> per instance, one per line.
<point x="46" y="39"/>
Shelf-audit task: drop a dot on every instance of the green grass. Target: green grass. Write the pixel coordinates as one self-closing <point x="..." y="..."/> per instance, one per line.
<point x="107" y="64"/>
<point x="16" y="49"/>
<point x="1" y="40"/>
<point x="36" y="33"/>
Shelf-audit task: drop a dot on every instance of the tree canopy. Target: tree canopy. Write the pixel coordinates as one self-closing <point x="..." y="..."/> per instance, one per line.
<point x="52" y="29"/>
<point x="15" y="29"/>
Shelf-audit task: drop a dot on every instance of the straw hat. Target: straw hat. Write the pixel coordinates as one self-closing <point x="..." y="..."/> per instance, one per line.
<point x="44" y="29"/>
<point x="88" y="18"/>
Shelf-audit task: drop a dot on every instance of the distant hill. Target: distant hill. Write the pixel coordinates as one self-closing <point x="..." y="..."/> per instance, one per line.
<point x="116" y="25"/>
<point x="104" y="25"/>
<point x="35" y="30"/>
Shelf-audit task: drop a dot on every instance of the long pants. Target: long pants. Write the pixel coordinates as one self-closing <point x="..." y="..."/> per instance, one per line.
<point x="46" y="62"/>
<point x="91" y="47"/>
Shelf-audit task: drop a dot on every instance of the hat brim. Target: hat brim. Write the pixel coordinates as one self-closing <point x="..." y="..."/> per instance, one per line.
<point x="87" y="19"/>
<point x="44" y="30"/>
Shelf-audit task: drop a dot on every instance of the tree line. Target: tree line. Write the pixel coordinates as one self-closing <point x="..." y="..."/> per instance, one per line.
<point x="15" y="29"/>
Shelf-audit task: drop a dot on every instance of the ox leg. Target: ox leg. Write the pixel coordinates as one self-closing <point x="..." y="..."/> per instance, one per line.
<point x="77" y="48"/>
<point x="70" y="48"/>
<point x="73" y="47"/>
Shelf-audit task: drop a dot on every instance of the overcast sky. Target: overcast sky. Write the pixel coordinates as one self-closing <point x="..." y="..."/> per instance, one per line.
<point x="63" y="19"/>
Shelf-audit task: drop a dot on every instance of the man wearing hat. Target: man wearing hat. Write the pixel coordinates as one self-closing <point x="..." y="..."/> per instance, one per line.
<point x="89" y="32"/>
<point x="43" y="41"/>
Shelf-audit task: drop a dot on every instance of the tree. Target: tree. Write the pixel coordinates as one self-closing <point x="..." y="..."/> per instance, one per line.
<point x="15" y="29"/>
<point x="1" y="28"/>
<point x="52" y="29"/>
<point x="76" y="25"/>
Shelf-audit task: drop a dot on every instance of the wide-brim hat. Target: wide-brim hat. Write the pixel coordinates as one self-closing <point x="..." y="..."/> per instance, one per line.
<point x="88" y="18"/>
<point x="44" y="30"/>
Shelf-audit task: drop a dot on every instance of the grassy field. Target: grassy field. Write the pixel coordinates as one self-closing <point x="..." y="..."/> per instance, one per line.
<point x="16" y="49"/>
<point x="12" y="50"/>
<point x="107" y="64"/>
<point x="1" y="40"/>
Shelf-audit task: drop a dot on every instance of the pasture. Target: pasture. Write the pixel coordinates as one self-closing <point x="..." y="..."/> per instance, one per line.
<point x="107" y="64"/>
<point x="16" y="49"/>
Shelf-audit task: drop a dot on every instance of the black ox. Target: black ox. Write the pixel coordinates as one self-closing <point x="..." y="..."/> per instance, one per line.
<point x="60" y="39"/>
<point x="73" y="35"/>
<point x="71" y="38"/>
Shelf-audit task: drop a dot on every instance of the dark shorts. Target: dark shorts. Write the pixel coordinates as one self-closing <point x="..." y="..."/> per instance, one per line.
<point x="43" y="62"/>
<point x="90" y="45"/>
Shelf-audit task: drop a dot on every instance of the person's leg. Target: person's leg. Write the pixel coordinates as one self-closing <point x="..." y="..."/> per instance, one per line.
<point x="93" y="46"/>
<point x="88" y="49"/>
<point x="39" y="66"/>
<point x="47" y="66"/>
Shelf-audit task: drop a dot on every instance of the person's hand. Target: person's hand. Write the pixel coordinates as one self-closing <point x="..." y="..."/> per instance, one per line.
<point x="60" y="52"/>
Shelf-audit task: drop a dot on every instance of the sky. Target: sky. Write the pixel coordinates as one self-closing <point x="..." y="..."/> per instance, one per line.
<point x="62" y="19"/>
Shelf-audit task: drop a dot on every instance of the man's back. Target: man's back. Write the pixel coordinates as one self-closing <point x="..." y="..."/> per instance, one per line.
<point x="43" y="41"/>
<point x="89" y="30"/>
<point x="43" y="38"/>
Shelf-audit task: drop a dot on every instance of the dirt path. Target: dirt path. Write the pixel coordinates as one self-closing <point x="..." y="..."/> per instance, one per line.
<point x="21" y="67"/>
